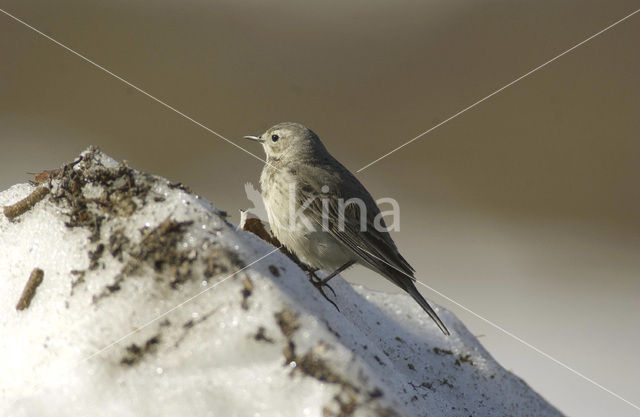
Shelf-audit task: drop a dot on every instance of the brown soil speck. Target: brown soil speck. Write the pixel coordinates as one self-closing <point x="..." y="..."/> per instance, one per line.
<point x="288" y="322"/>
<point x="247" y="290"/>
<point x="135" y="353"/>
<point x="464" y="359"/>
<point x="274" y="270"/>
<point x="94" y="256"/>
<point x="79" y="278"/>
<point x="261" y="336"/>
<point x="439" y="351"/>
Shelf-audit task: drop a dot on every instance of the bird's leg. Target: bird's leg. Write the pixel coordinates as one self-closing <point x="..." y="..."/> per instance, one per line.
<point x="321" y="283"/>
<point x="324" y="281"/>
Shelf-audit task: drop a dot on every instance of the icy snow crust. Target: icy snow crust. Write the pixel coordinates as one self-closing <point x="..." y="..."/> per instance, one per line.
<point x="258" y="342"/>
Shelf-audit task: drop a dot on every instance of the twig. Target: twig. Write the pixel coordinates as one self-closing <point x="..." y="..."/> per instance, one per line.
<point x="30" y="289"/>
<point x="25" y="204"/>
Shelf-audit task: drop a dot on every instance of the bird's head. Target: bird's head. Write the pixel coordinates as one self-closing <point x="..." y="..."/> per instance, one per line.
<point x="289" y="141"/>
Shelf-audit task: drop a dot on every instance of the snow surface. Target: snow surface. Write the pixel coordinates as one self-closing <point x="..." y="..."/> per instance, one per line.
<point x="165" y="321"/>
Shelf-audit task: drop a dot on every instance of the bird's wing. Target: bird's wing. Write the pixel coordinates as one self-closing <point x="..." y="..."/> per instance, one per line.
<point x="373" y="246"/>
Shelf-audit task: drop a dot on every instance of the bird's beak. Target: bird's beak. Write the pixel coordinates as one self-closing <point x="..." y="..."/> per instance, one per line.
<point x="254" y="138"/>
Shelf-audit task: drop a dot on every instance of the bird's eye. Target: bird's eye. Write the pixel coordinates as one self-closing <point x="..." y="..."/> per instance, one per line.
<point x="275" y="138"/>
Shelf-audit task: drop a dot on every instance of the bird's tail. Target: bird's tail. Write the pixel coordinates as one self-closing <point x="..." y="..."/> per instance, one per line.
<point x="400" y="273"/>
<point x="413" y="292"/>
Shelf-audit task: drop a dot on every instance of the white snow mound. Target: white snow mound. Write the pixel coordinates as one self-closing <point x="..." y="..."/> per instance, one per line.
<point x="152" y="304"/>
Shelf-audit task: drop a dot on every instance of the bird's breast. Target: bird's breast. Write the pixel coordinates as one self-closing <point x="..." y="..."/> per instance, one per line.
<point x="300" y="233"/>
<point x="279" y="195"/>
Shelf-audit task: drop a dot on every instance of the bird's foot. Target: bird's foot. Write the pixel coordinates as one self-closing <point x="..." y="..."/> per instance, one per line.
<point x="320" y="284"/>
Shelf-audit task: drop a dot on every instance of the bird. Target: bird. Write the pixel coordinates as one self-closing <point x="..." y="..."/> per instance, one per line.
<point x="322" y="213"/>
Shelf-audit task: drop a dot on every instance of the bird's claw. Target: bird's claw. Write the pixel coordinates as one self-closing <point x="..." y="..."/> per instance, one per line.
<point x="319" y="283"/>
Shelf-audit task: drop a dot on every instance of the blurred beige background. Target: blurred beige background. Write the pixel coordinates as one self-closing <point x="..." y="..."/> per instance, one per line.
<point x="526" y="209"/>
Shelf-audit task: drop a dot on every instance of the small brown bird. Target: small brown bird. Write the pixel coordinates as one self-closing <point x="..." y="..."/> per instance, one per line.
<point x="323" y="214"/>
